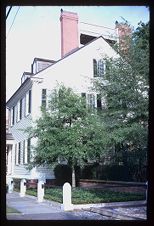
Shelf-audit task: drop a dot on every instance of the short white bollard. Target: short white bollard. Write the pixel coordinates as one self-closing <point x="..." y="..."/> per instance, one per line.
<point x="10" y="185"/>
<point x="40" y="190"/>
<point x="67" y="197"/>
<point x="22" y="187"/>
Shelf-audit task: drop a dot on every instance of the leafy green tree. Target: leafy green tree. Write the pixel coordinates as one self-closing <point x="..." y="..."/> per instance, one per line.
<point x="125" y="88"/>
<point x="69" y="130"/>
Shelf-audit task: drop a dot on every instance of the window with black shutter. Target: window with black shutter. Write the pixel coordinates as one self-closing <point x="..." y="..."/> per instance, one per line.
<point x="19" y="152"/>
<point x="44" y="96"/>
<point x="13" y="115"/>
<point x="29" y="102"/>
<point x="21" y="109"/>
<point x="28" y="150"/>
<point x="95" y="67"/>
<point x="99" y="104"/>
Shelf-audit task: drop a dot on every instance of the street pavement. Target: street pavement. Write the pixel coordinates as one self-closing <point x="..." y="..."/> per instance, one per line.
<point x="30" y="209"/>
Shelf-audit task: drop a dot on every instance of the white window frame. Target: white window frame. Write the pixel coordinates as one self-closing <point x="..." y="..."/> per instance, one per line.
<point x="18" y="154"/>
<point x="25" y="152"/>
<point x="99" y="68"/>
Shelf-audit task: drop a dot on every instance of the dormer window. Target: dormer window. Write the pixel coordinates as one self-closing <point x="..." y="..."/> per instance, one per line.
<point x="40" y="64"/>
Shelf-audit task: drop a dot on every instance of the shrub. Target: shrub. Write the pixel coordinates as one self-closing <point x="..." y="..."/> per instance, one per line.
<point x="16" y="182"/>
<point x="63" y="174"/>
<point x="106" y="172"/>
<point x="116" y="172"/>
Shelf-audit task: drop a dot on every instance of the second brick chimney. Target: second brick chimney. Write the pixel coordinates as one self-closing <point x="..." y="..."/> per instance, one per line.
<point x="124" y="33"/>
<point x="69" y="32"/>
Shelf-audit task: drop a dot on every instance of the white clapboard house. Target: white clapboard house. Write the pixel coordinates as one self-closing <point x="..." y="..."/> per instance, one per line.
<point x="83" y="47"/>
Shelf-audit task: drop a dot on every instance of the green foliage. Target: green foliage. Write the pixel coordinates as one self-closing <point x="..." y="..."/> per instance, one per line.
<point x="16" y="182"/>
<point x="31" y="191"/>
<point x="107" y="172"/>
<point x="62" y="174"/>
<point x="126" y="90"/>
<point x="11" y="210"/>
<point x="85" y="196"/>
<point x="69" y="130"/>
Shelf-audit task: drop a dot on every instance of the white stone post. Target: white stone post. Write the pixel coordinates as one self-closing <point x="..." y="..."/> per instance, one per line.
<point x="22" y="187"/>
<point x="10" y="185"/>
<point x="40" y="190"/>
<point x="67" y="197"/>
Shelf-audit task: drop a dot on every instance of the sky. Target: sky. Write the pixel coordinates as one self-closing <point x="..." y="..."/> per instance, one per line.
<point x="35" y="32"/>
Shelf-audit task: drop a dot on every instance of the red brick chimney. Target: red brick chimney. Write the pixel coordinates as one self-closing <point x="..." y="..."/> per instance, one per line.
<point x="124" y="32"/>
<point x="69" y="32"/>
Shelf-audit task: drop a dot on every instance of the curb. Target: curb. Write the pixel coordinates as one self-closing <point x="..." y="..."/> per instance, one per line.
<point x="111" y="204"/>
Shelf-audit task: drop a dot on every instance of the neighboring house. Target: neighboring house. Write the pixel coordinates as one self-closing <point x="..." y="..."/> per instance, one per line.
<point x="81" y="61"/>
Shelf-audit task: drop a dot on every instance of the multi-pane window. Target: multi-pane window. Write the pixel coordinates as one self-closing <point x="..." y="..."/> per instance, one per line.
<point x="44" y="98"/>
<point x="26" y="151"/>
<point x="28" y="102"/>
<point x="98" y="68"/>
<point x="91" y="100"/>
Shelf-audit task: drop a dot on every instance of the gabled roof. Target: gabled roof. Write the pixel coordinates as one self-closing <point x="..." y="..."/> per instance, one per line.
<point x="68" y="55"/>
<point x="76" y="50"/>
<point x="44" y="60"/>
<point x="20" y="87"/>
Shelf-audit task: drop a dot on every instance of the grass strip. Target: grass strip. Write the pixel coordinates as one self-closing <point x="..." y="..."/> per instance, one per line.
<point x="11" y="210"/>
<point x="85" y="196"/>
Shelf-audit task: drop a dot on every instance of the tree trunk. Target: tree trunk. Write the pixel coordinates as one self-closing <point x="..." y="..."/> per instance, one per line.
<point x="73" y="177"/>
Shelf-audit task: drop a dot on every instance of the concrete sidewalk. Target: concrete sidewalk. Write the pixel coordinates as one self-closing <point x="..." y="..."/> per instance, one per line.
<point x="30" y="209"/>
